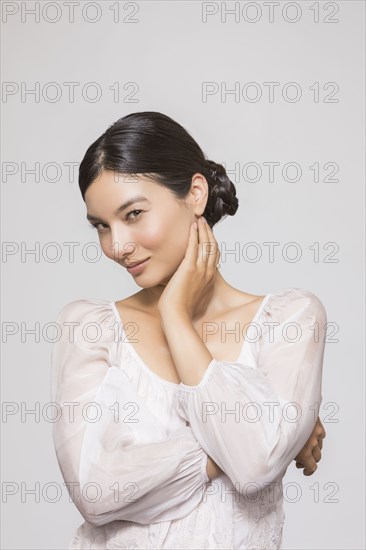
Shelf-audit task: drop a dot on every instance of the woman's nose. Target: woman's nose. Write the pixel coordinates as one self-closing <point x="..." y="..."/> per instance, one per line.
<point x="122" y="246"/>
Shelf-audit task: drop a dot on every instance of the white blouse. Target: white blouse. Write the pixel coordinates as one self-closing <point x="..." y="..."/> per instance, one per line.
<point x="133" y="447"/>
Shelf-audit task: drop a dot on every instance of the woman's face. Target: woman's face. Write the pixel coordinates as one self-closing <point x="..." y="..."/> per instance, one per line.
<point x="154" y="225"/>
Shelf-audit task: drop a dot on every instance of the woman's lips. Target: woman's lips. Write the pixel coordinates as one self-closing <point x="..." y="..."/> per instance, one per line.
<point x="137" y="269"/>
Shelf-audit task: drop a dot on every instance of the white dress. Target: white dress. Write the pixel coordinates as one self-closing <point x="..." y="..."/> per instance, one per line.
<point x="133" y="447"/>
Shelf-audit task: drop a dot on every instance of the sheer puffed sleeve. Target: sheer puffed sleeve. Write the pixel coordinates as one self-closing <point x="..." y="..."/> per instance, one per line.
<point x="116" y="458"/>
<point x="254" y="419"/>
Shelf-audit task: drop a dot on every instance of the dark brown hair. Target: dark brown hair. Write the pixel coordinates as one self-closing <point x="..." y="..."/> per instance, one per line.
<point x="153" y="144"/>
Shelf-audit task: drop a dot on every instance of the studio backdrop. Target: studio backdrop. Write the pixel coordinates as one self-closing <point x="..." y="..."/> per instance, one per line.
<point x="272" y="90"/>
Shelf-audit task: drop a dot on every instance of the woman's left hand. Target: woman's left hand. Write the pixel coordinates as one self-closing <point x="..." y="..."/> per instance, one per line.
<point x="310" y="454"/>
<point x="195" y="275"/>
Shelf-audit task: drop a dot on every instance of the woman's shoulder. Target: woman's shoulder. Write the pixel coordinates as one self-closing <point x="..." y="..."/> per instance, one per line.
<point x="283" y="296"/>
<point x="84" y="304"/>
<point x="86" y="310"/>
<point x="91" y="321"/>
<point x="293" y="300"/>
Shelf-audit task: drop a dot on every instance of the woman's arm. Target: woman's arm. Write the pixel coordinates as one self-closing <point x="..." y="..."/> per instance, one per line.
<point x="307" y="458"/>
<point x="254" y="421"/>
<point x="213" y="470"/>
<point x="116" y="458"/>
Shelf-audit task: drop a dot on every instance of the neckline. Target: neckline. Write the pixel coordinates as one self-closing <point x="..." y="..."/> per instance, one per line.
<point x="142" y="363"/>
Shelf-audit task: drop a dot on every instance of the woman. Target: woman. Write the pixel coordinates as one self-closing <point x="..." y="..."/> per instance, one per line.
<point x="178" y="434"/>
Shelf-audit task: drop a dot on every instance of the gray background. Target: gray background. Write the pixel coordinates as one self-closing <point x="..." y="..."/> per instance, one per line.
<point x="169" y="53"/>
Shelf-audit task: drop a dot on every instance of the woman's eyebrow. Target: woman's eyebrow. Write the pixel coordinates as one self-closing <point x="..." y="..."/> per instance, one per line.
<point x="132" y="200"/>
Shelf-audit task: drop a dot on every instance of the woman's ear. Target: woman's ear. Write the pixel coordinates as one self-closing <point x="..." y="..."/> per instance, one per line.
<point x="199" y="190"/>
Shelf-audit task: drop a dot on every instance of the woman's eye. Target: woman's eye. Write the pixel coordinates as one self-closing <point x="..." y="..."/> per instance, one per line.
<point x="100" y="230"/>
<point x="132" y="212"/>
<point x="95" y="225"/>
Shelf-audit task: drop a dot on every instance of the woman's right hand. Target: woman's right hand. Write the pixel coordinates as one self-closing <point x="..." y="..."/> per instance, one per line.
<point x="212" y="469"/>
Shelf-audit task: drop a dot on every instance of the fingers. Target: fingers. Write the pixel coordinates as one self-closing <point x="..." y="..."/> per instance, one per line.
<point x="208" y="247"/>
<point x="309" y="461"/>
<point x="310" y="465"/>
<point x="319" y="430"/>
<point x="309" y="471"/>
<point x="314" y="448"/>
<point x="311" y="454"/>
<point x="210" y="250"/>
<point x="320" y="437"/>
<point x="317" y="454"/>
<point x="202" y="249"/>
<point x="192" y="248"/>
<point x="204" y="245"/>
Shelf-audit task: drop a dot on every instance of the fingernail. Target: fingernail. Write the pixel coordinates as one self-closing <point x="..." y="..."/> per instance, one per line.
<point x="195" y="225"/>
<point x="204" y="220"/>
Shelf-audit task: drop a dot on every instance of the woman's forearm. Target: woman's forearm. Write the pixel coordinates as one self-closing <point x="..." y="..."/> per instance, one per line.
<point x="212" y="469"/>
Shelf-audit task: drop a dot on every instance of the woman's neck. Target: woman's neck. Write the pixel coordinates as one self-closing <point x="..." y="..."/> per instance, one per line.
<point x="219" y="297"/>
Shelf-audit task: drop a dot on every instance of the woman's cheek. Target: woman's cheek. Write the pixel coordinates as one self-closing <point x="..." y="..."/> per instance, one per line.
<point x="107" y="247"/>
<point x="151" y="237"/>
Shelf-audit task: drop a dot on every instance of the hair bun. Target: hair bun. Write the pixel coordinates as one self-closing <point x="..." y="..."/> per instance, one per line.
<point x="222" y="200"/>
